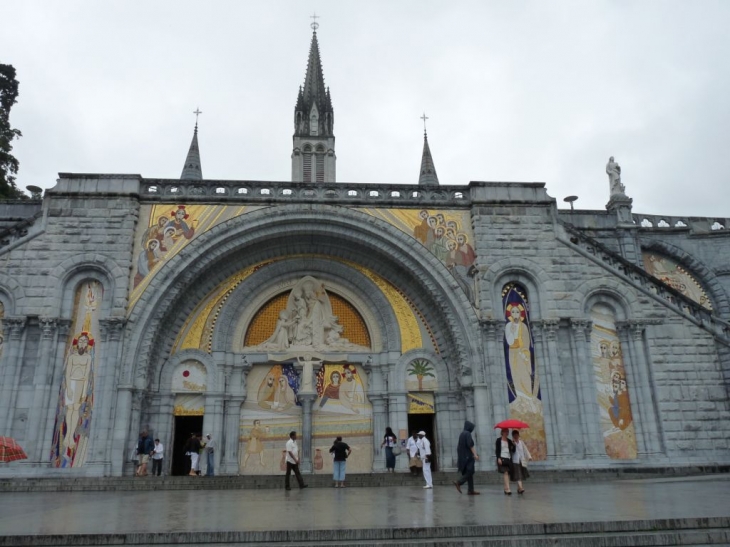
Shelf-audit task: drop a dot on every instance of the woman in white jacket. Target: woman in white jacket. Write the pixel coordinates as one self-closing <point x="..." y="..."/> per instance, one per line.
<point x="519" y="461"/>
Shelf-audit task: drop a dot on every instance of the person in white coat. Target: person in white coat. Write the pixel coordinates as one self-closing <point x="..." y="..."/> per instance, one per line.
<point x="424" y="450"/>
<point x="520" y="457"/>
<point x="412" y="449"/>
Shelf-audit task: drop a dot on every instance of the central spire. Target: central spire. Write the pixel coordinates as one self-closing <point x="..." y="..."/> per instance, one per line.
<point x="191" y="169"/>
<point x="313" y="157"/>
<point x="428" y="176"/>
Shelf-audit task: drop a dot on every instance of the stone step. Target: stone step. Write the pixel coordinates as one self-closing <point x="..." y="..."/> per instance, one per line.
<point x="258" y="482"/>
<point x="649" y="532"/>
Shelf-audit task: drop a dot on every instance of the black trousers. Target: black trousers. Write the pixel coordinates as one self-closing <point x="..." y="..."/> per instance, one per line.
<point x="156" y="467"/>
<point x="468" y="476"/>
<point x="293" y="467"/>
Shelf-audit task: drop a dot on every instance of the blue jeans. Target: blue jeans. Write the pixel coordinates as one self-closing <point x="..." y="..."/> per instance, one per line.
<point x="339" y="471"/>
<point x="211" y="465"/>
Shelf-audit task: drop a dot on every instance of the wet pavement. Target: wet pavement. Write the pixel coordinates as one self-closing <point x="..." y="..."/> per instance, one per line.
<point x="202" y="510"/>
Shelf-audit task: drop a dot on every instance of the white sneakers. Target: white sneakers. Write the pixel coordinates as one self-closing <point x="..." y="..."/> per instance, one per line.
<point x="427" y="486"/>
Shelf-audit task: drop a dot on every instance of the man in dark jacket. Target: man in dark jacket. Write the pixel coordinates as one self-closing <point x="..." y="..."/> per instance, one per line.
<point x="467" y="455"/>
<point x="144" y="450"/>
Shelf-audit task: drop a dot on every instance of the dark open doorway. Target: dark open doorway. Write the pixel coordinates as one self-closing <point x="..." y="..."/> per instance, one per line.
<point x="425" y="422"/>
<point x="184" y="427"/>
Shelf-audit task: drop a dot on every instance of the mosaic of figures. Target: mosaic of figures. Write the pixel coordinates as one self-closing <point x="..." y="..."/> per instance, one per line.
<point x="617" y="424"/>
<point x="523" y="380"/>
<point x="165" y="229"/>
<point x="447" y="234"/>
<point x="76" y="394"/>
<point x="273" y="408"/>
<point x="671" y="273"/>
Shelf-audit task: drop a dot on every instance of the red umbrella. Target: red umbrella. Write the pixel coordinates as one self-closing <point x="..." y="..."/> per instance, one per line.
<point x="10" y="451"/>
<point x="511" y="424"/>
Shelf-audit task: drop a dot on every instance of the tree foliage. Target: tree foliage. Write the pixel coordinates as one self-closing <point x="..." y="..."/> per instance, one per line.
<point x="8" y="163"/>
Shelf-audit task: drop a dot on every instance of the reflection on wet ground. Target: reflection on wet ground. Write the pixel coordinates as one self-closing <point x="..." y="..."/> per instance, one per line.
<point x="319" y="508"/>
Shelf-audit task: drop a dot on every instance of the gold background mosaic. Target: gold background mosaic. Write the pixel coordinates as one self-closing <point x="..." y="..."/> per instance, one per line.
<point x="264" y="322"/>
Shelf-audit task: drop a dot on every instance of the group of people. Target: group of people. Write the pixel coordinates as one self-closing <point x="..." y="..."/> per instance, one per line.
<point x="145" y="451"/>
<point x="511" y="457"/>
<point x="193" y="447"/>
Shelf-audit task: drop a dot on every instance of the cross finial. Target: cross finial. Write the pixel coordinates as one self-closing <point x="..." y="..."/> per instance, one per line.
<point x="315" y="24"/>
<point x="197" y="113"/>
<point x="424" y="118"/>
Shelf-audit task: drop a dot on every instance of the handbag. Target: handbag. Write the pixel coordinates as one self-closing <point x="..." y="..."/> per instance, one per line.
<point x="397" y="450"/>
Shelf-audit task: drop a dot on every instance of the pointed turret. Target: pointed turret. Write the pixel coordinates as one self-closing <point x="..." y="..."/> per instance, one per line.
<point x="313" y="157"/>
<point x="428" y="175"/>
<point x="191" y="169"/>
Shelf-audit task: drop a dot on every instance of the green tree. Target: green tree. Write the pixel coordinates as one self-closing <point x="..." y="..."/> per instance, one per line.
<point x="420" y="368"/>
<point x="8" y="164"/>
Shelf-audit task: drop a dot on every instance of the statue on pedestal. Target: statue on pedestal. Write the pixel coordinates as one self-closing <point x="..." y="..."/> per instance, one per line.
<point x="613" y="170"/>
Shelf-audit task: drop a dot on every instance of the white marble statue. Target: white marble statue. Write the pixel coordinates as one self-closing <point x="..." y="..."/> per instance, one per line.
<point x="613" y="170"/>
<point x="308" y="322"/>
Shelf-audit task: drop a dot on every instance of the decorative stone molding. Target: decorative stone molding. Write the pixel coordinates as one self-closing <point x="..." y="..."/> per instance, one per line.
<point x="13" y="327"/>
<point x="48" y="327"/>
<point x="111" y="328"/>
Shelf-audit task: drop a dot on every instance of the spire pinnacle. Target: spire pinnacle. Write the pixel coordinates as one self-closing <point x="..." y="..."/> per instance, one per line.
<point x="191" y="169"/>
<point x="315" y="24"/>
<point x="427" y="176"/>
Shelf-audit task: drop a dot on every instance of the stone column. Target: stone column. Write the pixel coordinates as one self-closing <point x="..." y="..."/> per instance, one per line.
<point x="636" y="394"/>
<point x="305" y="440"/>
<point x="12" y="361"/>
<point x="495" y="379"/>
<point x="587" y="394"/>
<point x="41" y="380"/>
<point x="380" y="422"/>
<point x="484" y="422"/>
<point x="555" y="374"/>
<point x="642" y="388"/>
<point x="445" y="448"/>
<point x="541" y="359"/>
<point x="165" y="426"/>
<point x="231" y="441"/>
<point x="398" y="414"/>
<point x="120" y="436"/>
<point x="106" y="366"/>
<point x="54" y="373"/>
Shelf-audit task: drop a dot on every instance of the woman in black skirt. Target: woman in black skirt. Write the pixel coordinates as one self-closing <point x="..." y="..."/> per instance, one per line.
<point x="503" y="450"/>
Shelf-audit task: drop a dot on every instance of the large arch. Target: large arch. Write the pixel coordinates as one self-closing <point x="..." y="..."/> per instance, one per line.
<point x="295" y="230"/>
<point x="705" y="276"/>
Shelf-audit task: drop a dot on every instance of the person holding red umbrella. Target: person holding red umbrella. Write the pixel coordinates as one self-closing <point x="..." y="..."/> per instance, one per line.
<point x="504" y="449"/>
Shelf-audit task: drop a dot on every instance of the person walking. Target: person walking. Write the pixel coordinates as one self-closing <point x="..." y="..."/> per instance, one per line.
<point x="519" y="461"/>
<point x="210" y="447"/>
<point x="424" y="450"/>
<point x="192" y="449"/>
<point x="412" y="449"/>
<point x="503" y="450"/>
<point x="466" y="458"/>
<point x="144" y="451"/>
<point x="292" y="461"/>
<point x="341" y="451"/>
<point x="157" y="455"/>
<point x="389" y="442"/>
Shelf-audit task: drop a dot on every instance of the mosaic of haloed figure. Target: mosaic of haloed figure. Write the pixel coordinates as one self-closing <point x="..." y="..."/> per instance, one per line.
<point x="617" y="423"/>
<point x="342" y="408"/>
<point x="271" y="410"/>
<point x="523" y="380"/>
<point x="76" y="394"/>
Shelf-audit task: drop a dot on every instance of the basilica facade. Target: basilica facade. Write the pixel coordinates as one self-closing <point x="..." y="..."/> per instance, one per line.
<point x="250" y="309"/>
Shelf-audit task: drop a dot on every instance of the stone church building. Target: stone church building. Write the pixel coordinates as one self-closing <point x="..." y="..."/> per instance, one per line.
<point x="247" y="309"/>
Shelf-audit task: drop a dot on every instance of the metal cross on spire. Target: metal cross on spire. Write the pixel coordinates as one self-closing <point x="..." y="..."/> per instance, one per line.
<point x="197" y="113"/>
<point x="424" y="118"/>
<point x="315" y="24"/>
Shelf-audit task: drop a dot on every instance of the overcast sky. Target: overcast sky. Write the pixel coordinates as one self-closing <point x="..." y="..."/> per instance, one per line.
<point x="515" y="91"/>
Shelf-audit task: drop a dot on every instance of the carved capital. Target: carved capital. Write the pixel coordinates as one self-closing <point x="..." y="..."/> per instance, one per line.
<point x="13" y="327"/>
<point x="633" y="327"/>
<point x="48" y="327"/>
<point x="582" y="327"/>
<point x="491" y="326"/>
<point x="63" y="326"/>
<point x="550" y="327"/>
<point x="468" y="395"/>
<point x="112" y="327"/>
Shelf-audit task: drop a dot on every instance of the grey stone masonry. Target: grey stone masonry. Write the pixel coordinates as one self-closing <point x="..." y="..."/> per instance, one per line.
<point x="676" y="353"/>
